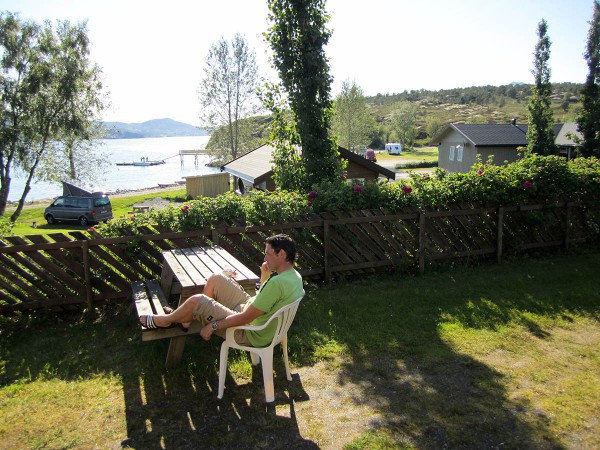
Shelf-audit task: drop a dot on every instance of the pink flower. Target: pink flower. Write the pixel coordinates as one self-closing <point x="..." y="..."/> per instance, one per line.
<point x="312" y="194"/>
<point x="527" y="184"/>
<point x="309" y="203"/>
<point x="185" y="208"/>
<point x="407" y="189"/>
<point x="358" y="188"/>
<point x="479" y="172"/>
<point x="131" y="217"/>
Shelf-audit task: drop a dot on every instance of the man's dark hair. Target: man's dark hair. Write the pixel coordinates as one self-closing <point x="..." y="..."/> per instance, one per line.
<point x="283" y="242"/>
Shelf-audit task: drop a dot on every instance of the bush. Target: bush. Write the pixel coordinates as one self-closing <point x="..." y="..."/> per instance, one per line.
<point x="534" y="179"/>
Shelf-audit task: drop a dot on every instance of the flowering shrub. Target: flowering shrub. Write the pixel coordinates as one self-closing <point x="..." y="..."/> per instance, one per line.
<point x="534" y="179"/>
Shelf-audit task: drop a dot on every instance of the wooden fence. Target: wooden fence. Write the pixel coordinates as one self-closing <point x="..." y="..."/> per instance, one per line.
<point x="84" y="268"/>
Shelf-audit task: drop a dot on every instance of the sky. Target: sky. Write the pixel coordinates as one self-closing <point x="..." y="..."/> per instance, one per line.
<point x="152" y="53"/>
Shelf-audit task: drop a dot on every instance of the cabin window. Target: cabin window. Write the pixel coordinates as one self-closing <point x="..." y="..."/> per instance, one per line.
<point x="459" y="152"/>
<point x="451" y="157"/>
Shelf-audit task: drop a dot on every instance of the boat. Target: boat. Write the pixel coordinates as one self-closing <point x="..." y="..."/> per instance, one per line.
<point x="141" y="163"/>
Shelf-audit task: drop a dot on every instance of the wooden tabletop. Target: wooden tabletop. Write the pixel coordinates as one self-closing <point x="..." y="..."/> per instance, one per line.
<point x="193" y="266"/>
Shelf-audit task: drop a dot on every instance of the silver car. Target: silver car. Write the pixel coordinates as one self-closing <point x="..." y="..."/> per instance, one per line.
<point x="83" y="210"/>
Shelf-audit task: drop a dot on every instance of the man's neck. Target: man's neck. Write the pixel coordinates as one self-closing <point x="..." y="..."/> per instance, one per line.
<point x="285" y="267"/>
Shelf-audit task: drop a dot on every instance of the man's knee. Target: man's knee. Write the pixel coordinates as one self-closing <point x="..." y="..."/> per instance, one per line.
<point x="203" y="307"/>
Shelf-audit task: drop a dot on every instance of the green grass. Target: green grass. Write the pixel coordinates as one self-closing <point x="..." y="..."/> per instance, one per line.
<point x="462" y="358"/>
<point x="34" y="212"/>
<point x="427" y="154"/>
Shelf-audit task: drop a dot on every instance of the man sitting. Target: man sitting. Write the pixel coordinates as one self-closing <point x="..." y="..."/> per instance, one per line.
<point x="224" y="303"/>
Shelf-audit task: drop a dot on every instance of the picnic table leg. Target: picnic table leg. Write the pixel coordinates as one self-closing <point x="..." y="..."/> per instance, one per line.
<point x="175" y="352"/>
<point x="176" y="344"/>
<point x="166" y="280"/>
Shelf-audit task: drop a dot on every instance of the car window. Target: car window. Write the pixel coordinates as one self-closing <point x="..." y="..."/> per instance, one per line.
<point x="101" y="201"/>
<point x="70" y="202"/>
<point x="59" y="202"/>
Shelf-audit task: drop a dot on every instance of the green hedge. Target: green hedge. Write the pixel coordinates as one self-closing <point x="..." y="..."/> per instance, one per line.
<point x="535" y="179"/>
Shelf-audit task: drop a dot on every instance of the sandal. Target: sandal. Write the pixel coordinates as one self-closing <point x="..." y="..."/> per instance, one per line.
<point x="151" y="325"/>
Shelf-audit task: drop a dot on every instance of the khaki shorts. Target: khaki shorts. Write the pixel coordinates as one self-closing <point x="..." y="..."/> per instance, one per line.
<point x="230" y="298"/>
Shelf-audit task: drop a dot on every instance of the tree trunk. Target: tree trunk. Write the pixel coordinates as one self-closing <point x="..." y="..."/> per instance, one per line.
<point x="4" y="191"/>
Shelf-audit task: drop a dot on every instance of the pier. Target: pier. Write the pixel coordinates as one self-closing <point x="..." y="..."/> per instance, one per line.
<point x="195" y="153"/>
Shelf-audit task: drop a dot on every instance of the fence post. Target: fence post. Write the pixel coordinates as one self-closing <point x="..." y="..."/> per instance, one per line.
<point x="499" y="234"/>
<point x="85" y="247"/>
<point x="215" y="236"/>
<point x="422" y="224"/>
<point x="569" y="206"/>
<point x="326" y="251"/>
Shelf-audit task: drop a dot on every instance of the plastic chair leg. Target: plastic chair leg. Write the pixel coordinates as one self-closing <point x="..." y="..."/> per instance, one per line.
<point x="222" y="369"/>
<point x="288" y="373"/>
<point x="267" y="367"/>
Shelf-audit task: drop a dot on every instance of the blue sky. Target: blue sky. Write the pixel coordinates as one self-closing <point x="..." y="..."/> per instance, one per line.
<point x="152" y="52"/>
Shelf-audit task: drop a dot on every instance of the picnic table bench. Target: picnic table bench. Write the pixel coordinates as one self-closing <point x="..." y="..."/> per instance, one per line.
<point x="184" y="272"/>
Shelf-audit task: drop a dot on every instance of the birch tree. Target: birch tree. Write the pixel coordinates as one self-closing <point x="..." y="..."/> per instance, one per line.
<point x="228" y="91"/>
<point x="352" y="123"/>
<point x="51" y="94"/>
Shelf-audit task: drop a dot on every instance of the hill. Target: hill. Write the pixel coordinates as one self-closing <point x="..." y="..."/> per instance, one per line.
<point x="479" y="104"/>
<point x="151" y="128"/>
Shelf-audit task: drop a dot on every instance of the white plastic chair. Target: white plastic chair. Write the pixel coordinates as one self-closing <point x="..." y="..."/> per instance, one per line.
<point x="285" y="317"/>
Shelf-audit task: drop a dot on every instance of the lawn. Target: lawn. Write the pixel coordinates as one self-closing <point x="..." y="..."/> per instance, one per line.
<point x="469" y="357"/>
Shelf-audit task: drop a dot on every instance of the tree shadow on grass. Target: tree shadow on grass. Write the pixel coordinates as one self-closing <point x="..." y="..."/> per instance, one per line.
<point x="424" y="391"/>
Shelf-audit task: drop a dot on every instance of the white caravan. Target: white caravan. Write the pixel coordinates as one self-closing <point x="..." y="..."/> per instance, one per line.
<point x="393" y="149"/>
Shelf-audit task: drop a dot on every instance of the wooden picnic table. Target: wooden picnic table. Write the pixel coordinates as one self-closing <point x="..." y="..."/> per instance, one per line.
<point x="185" y="272"/>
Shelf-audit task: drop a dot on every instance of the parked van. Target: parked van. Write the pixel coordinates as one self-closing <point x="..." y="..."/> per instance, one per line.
<point x="84" y="210"/>
<point x="393" y="149"/>
<point x="371" y="155"/>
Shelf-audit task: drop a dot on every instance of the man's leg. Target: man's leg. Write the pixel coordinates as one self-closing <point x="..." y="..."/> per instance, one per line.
<point x="230" y="298"/>
<point x="183" y="314"/>
<point x="226" y="291"/>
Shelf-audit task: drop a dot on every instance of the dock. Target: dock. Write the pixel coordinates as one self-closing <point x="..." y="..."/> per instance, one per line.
<point x="141" y="163"/>
<point x="193" y="153"/>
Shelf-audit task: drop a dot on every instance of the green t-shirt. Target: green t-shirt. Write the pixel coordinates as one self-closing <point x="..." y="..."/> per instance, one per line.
<point x="280" y="290"/>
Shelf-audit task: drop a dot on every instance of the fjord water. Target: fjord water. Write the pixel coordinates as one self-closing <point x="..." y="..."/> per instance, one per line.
<point x="123" y="178"/>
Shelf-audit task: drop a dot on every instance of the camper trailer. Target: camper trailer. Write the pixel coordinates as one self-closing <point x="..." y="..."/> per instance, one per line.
<point x="393" y="149"/>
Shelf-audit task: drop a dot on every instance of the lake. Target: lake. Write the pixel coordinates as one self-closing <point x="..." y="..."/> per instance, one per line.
<point x="121" y="178"/>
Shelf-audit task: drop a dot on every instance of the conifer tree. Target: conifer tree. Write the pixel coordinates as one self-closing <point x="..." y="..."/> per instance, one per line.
<point x="540" y="136"/>
<point x="589" y="119"/>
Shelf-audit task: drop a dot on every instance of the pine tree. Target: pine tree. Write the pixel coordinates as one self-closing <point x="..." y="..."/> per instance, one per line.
<point x="589" y="119"/>
<point x="540" y="136"/>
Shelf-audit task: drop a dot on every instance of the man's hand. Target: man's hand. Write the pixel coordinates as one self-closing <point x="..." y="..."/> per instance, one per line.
<point x="206" y="331"/>
<point x="264" y="269"/>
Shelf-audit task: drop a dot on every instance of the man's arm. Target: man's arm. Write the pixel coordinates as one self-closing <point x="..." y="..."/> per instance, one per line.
<point x="234" y="320"/>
